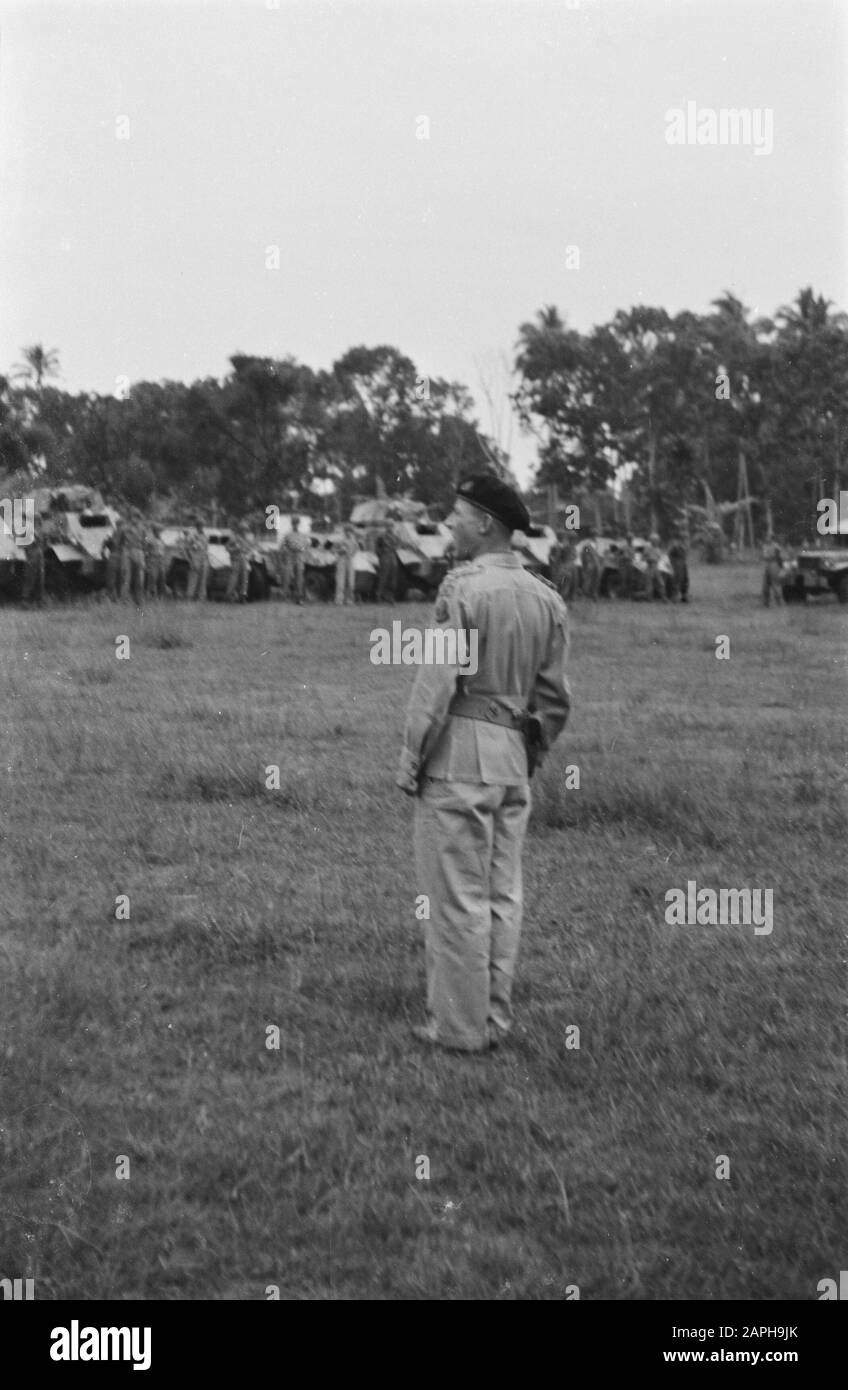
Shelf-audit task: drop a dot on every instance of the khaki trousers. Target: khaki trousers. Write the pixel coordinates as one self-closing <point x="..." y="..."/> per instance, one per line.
<point x="198" y="574"/>
<point x="345" y="575"/>
<point x="468" y="843"/>
<point x="132" y="575"/>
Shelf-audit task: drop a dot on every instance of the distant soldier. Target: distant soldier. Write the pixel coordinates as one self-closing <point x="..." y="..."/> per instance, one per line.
<point x="773" y="557"/>
<point x="562" y="564"/>
<point x="295" y="545"/>
<point x="655" y="582"/>
<point x="346" y="549"/>
<point x="590" y="569"/>
<point x="33" y="577"/>
<point x="112" y="547"/>
<point x="132" y="559"/>
<point x="238" y="549"/>
<point x="154" y="559"/>
<point x="679" y="567"/>
<point x="387" y="565"/>
<point x="198" y="563"/>
<point x="626" y="567"/>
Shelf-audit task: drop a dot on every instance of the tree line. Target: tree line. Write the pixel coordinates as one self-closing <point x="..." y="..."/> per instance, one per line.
<point x="270" y="430"/>
<point x="673" y="416"/>
<point x="693" y="411"/>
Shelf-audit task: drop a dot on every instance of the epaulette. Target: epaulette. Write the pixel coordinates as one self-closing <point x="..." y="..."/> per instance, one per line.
<point x="449" y="583"/>
<point x="459" y="572"/>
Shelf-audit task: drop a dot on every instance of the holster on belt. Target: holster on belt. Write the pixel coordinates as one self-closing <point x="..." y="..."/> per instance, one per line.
<point x="499" y="709"/>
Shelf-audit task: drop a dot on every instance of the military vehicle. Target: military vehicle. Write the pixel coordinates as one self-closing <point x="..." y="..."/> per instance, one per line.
<point x="319" y="578"/>
<point x="421" y="560"/>
<point x="422" y="545"/>
<point x="76" y="527"/>
<point x="12" y="560"/>
<point x="815" y="572"/>
<point x="423" y="556"/>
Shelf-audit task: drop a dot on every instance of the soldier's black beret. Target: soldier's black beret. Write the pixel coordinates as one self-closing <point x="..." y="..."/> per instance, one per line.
<point x="501" y="501"/>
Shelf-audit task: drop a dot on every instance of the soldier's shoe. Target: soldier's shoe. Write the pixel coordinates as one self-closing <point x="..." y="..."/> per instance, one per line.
<point x="424" y="1033"/>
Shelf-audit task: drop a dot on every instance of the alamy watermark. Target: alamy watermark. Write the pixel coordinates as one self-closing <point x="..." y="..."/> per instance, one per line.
<point x="439" y="646"/>
<point x="704" y="907"/>
<point x="725" y="125"/>
<point x="77" y="1343"/>
<point x="832" y="515"/>
<point x="21" y="1290"/>
<point x="17" y="516"/>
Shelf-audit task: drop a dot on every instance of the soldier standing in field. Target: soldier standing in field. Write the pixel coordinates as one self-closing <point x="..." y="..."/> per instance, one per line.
<point x="33" y="577"/>
<point x="590" y="569"/>
<point x="565" y="578"/>
<point x="471" y="743"/>
<point x="654" y="579"/>
<point x="239" y="553"/>
<point x="154" y="558"/>
<point x="773" y="557"/>
<point x="112" y="550"/>
<point x="132" y="558"/>
<point x="627" y="569"/>
<point x="295" y="546"/>
<point x="198" y="563"/>
<point x="387" y="564"/>
<point x="346" y="548"/>
<point x="679" y="567"/>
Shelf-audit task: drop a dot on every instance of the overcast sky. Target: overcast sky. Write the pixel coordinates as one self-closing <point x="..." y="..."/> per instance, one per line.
<point x="252" y="126"/>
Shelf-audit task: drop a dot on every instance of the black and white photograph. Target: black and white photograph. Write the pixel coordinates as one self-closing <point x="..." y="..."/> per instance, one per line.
<point x="423" y="655"/>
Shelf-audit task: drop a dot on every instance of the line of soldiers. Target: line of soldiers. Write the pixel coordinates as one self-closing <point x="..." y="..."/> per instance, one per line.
<point x="574" y="573"/>
<point x="380" y="541"/>
<point x="137" y="561"/>
<point x="578" y="572"/>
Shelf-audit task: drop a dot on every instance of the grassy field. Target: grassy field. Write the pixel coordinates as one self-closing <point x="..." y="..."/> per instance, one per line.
<point x="550" y="1166"/>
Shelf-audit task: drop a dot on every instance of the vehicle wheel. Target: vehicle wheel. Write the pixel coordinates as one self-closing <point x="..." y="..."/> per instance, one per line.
<point x="176" y="578"/>
<point x="842" y="588"/>
<point x="257" y="583"/>
<point x="56" y="577"/>
<point x="315" y="585"/>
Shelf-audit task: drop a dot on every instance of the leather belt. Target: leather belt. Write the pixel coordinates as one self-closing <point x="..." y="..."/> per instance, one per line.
<point x="491" y="709"/>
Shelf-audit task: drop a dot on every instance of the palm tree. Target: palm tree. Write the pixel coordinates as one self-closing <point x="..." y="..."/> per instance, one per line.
<point x="810" y="313"/>
<point x="37" y="365"/>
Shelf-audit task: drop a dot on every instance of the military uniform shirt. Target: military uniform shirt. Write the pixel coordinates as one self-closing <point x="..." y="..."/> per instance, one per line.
<point x="522" y="641"/>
